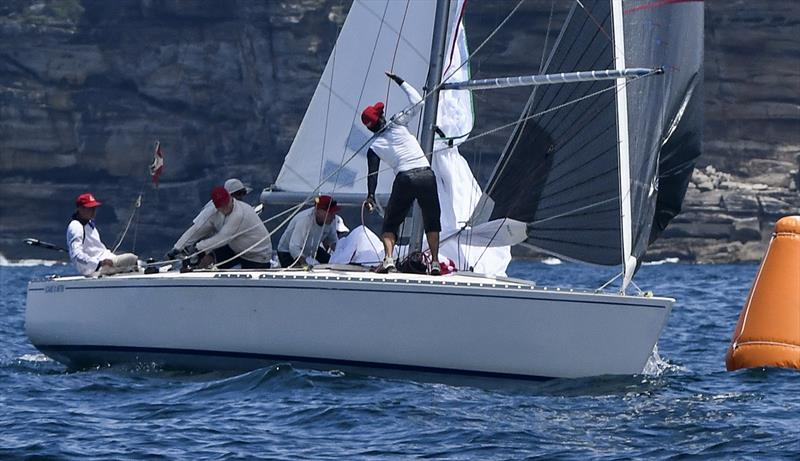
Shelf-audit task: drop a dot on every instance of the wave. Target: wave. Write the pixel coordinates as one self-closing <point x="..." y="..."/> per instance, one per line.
<point x="29" y="262"/>
<point x="34" y="358"/>
<point x="551" y="261"/>
<point x="662" y="261"/>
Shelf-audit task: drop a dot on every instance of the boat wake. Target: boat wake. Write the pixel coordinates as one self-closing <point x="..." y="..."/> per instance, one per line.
<point x="33" y="363"/>
<point x="657" y="366"/>
<point x="34" y="358"/>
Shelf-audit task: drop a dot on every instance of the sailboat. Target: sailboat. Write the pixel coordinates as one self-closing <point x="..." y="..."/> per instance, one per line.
<point x="597" y="164"/>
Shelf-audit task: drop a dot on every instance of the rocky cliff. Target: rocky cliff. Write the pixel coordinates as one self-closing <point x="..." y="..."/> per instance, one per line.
<point x="87" y="86"/>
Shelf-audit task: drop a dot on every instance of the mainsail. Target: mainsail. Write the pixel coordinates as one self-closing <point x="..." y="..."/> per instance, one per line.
<point x="583" y="168"/>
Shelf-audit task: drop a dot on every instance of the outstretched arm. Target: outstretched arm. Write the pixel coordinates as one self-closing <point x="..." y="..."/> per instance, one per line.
<point x="413" y="98"/>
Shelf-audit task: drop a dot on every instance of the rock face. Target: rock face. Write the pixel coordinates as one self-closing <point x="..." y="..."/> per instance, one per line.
<point x="87" y="86"/>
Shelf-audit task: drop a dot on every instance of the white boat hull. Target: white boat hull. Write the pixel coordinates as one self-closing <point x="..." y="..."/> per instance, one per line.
<point x="451" y="324"/>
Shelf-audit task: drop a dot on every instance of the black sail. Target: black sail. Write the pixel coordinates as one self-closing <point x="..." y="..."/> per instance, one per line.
<point x="561" y="170"/>
<point x="665" y="112"/>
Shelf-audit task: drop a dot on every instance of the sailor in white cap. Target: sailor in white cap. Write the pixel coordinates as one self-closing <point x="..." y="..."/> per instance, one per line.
<point x="237" y="189"/>
<point x="208" y="221"/>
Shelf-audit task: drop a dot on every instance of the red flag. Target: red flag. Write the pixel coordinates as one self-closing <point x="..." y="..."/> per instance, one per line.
<point x="158" y="164"/>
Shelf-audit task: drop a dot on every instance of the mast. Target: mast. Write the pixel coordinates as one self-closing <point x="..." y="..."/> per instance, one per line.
<point x="626" y="214"/>
<point x="438" y="45"/>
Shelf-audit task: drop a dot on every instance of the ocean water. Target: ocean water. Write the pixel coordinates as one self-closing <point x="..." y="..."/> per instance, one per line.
<point x="686" y="406"/>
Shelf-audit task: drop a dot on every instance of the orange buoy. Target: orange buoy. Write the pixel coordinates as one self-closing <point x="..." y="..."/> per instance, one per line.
<point x="768" y="331"/>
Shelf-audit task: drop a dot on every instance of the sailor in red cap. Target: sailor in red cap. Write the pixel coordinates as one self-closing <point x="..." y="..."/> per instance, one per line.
<point x="414" y="179"/>
<point x="86" y="251"/>
<point x="239" y="237"/>
<point x="207" y="222"/>
<point x="300" y="242"/>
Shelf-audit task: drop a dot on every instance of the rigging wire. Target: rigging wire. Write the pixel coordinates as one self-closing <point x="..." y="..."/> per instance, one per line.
<point x="328" y="106"/>
<point x="396" y="47"/>
<point x="342" y="162"/>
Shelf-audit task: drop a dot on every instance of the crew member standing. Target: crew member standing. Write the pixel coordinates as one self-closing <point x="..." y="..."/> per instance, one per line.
<point x="86" y="251"/>
<point x="414" y="178"/>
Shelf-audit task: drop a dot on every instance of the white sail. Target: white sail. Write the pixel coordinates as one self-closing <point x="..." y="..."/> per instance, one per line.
<point x="377" y="36"/>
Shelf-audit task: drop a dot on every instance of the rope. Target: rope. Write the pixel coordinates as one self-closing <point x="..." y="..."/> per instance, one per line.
<point x="136" y="204"/>
<point x="328" y="107"/>
<point x="363" y="224"/>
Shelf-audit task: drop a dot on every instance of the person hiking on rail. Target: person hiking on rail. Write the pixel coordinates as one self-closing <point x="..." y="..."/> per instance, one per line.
<point x="414" y="178"/>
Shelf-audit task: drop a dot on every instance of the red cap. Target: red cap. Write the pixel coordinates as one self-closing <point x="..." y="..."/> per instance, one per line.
<point x="326" y="202"/>
<point x="87" y="200"/>
<point x="372" y="114"/>
<point x="220" y="196"/>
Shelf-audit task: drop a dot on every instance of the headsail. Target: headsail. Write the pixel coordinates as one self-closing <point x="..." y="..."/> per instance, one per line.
<point x="378" y="35"/>
<point x="564" y="169"/>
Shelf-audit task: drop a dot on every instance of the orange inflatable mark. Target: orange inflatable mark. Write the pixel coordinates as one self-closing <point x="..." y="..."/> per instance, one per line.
<point x="768" y="331"/>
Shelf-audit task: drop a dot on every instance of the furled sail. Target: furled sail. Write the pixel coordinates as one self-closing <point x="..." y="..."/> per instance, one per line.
<point x="459" y="192"/>
<point x="583" y="170"/>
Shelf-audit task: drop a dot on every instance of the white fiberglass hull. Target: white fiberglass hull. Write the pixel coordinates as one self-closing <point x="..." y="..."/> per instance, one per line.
<point x="453" y="324"/>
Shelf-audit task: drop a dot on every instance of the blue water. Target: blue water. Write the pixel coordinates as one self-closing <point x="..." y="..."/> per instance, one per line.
<point x="688" y="407"/>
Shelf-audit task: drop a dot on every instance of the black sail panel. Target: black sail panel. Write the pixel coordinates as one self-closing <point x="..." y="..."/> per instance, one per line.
<point x="665" y="112"/>
<point x="560" y="170"/>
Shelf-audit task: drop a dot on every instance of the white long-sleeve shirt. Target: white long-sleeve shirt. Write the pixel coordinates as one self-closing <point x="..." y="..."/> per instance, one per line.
<point x="86" y="250"/>
<point x="204" y="225"/>
<point x="241" y="229"/>
<point x="303" y="235"/>
<point x="396" y="145"/>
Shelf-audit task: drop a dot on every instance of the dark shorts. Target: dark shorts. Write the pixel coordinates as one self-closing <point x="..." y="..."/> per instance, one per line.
<point x="225" y="252"/>
<point x="418" y="184"/>
<point x="286" y="258"/>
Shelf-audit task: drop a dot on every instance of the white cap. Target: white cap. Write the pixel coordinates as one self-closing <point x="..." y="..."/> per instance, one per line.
<point x="234" y="185"/>
<point x="340" y="225"/>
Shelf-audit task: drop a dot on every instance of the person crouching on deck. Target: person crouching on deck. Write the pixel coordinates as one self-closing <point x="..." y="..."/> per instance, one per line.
<point x="207" y="222"/>
<point x="414" y="178"/>
<point x="300" y="243"/>
<point x="86" y="251"/>
<point x="242" y="240"/>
